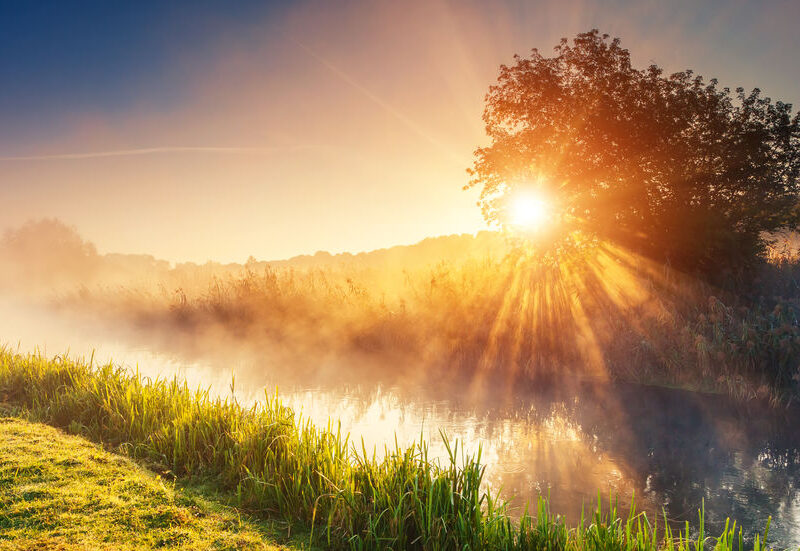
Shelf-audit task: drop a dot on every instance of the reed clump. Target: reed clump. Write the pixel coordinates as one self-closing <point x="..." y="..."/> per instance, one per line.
<point x="279" y="464"/>
<point x="603" y="313"/>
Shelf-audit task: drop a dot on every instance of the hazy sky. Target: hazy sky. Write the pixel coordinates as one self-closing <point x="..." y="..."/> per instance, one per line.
<point x="195" y="130"/>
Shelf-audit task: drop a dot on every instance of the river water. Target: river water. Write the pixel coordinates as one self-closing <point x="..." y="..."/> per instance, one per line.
<point x="667" y="450"/>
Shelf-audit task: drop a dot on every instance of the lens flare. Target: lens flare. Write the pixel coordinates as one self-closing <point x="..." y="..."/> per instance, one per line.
<point x="528" y="212"/>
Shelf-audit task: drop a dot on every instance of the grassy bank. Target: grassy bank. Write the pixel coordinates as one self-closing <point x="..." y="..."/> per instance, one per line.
<point x="282" y="467"/>
<point x="62" y="492"/>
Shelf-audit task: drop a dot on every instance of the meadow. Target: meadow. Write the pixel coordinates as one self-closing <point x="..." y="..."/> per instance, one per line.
<point x="276" y="465"/>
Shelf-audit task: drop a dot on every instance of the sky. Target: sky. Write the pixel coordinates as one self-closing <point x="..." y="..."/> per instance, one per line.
<point x="203" y="130"/>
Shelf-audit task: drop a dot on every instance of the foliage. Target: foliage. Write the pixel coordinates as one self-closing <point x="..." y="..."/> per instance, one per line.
<point x="43" y="253"/>
<point x="674" y="167"/>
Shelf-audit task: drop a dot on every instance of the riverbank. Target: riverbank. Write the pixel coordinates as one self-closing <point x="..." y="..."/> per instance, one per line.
<point x="281" y="467"/>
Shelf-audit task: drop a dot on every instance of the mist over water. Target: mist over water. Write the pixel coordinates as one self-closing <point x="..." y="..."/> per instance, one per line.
<point x="666" y="450"/>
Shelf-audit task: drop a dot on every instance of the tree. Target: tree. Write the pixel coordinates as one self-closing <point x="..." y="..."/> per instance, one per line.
<point x="671" y="166"/>
<point x="46" y="252"/>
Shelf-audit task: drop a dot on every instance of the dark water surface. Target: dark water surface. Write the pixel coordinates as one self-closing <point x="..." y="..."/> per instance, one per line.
<point x="670" y="449"/>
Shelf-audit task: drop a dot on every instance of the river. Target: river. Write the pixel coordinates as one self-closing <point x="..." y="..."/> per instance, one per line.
<point x="667" y="450"/>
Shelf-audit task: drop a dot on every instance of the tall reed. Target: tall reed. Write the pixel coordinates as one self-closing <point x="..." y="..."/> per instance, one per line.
<point x="603" y="314"/>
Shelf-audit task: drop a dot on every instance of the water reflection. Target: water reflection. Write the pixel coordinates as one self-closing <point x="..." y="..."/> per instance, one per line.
<point x="671" y="449"/>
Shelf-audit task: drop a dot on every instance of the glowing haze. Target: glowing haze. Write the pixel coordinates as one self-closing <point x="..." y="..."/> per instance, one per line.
<point x="220" y="131"/>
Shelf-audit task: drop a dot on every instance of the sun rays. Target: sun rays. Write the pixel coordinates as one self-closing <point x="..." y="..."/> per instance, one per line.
<point x="562" y="318"/>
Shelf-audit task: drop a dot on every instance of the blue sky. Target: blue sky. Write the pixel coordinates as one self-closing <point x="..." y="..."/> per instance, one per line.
<point x="60" y="58"/>
<point x="276" y="129"/>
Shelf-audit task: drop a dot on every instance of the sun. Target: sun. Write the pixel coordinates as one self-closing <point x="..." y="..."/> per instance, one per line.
<point x="528" y="212"/>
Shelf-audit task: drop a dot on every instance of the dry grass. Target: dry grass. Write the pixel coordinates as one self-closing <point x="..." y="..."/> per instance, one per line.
<point x="603" y="313"/>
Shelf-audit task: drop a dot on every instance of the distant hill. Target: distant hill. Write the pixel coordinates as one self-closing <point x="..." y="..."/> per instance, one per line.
<point x="432" y="250"/>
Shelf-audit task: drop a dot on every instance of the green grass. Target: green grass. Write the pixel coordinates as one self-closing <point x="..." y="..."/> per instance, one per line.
<point x="281" y="466"/>
<point x="61" y="492"/>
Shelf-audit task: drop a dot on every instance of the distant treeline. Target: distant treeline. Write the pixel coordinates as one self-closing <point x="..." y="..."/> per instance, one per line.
<point x="48" y="255"/>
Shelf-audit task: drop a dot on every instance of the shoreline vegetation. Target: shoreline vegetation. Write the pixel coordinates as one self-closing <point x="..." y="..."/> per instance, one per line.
<point x="604" y="314"/>
<point x="459" y="307"/>
<point x="277" y="466"/>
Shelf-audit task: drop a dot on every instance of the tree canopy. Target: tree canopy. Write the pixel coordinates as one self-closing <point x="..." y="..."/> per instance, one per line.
<point x="44" y="252"/>
<point x="674" y="166"/>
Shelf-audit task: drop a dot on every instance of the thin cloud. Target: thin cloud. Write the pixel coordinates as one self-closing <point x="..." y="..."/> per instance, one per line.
<point x="408" y="122"/>
<point x="156" y="151"/>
